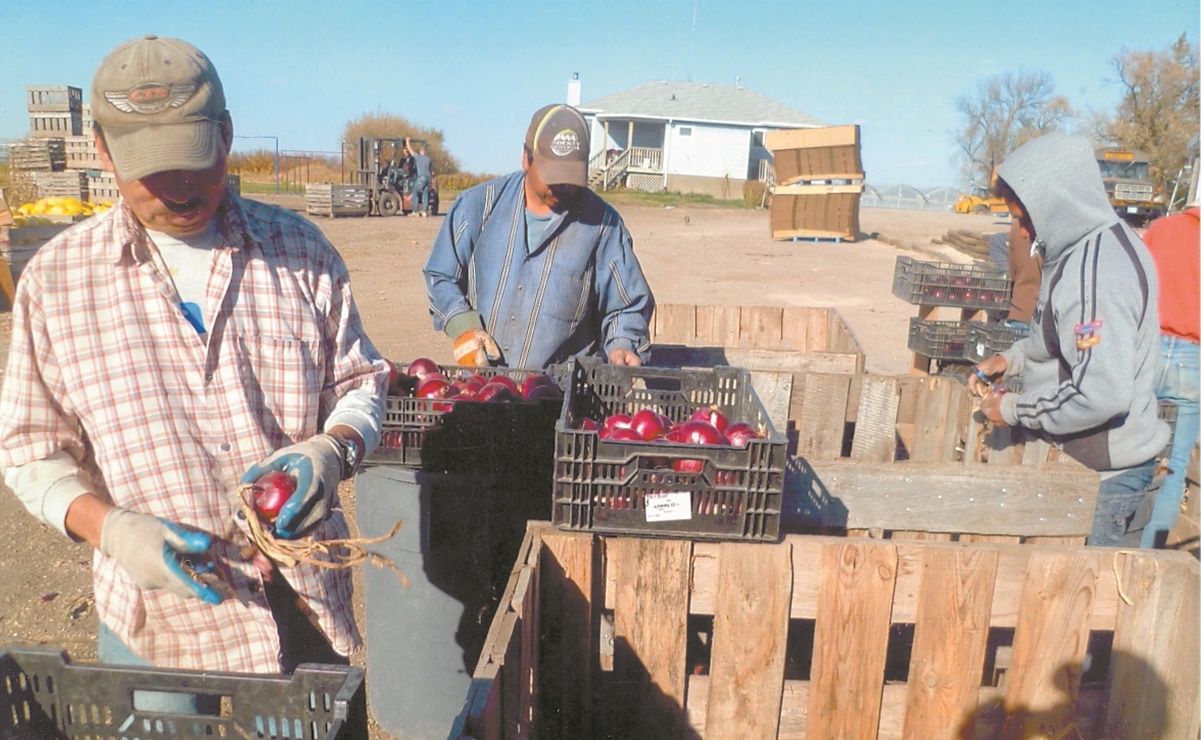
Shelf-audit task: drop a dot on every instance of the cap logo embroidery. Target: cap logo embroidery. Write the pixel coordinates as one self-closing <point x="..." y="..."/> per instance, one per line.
<point x="152" y="97"/>
<point x="565" y="142"/>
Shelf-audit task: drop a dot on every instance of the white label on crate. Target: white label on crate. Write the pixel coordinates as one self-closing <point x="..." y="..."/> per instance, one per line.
<point x="669" y="506"/>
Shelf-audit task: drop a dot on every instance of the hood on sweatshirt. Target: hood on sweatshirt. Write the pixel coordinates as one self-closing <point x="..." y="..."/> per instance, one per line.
<point x="1059" y="183"/>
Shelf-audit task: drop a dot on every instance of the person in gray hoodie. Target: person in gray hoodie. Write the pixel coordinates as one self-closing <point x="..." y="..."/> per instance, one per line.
<point x="1088" y="366"/>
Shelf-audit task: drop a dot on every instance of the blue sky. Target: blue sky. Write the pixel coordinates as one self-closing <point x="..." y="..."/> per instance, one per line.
<point x="477" y="70"/>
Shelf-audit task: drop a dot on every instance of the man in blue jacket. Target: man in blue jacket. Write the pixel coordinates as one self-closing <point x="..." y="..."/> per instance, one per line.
<point x="1089" y="363"/>
<point x="533" y="268"/>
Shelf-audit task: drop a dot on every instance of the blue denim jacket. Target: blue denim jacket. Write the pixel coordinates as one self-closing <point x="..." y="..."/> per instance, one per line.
<point x="579" y="291"/>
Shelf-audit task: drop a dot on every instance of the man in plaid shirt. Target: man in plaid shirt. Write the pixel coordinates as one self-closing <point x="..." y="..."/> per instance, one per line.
<point x="170" y="350"/>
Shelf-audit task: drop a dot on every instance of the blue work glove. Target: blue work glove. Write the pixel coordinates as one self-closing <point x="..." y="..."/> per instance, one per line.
<point x="155" y="553"/>
<point x="316" y="464"/>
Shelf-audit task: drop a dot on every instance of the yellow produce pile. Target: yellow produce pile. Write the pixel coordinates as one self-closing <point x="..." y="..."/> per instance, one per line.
<point x="30" y="214"/>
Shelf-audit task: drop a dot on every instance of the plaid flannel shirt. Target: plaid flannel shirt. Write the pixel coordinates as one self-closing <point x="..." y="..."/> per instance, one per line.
<point x="105" y="366"/>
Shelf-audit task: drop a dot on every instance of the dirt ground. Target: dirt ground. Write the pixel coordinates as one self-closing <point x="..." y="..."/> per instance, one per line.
<point x="699" y="255"/>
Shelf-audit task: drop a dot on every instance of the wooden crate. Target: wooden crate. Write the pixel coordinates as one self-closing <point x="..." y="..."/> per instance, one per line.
<point x="37" y="155"/>
<point x="823" y="637"/>
<point x="777" y="344"/>
<point x="19" y="243"/>
<point x="906" y="418"/>
<point x="56" y="125"/>
<point x="804" y="155"/>
<point x="69" y="184"/>
<point x="103" y="187"/>
<point x="82" y="154"/>
<point x="53" y="99"/>
<point x="326" y="199"/>
<point x="816" y="211"/>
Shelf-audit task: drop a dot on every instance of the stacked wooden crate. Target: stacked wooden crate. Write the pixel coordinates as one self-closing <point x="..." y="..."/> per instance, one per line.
<point x="818" y="183"/>
<point x="55" y="111"/>
<point x="60" y="142"/>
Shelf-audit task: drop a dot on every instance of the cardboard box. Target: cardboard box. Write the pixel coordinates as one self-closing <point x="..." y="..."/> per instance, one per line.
<point x="830" y="153"/>
<point x="816" y="211"/>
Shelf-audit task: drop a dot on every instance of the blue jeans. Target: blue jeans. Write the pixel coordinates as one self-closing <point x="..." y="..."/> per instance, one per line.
<point x="421" y="189"/>
<point x="1178" y="382"/>
<point x="1117" y="500"/>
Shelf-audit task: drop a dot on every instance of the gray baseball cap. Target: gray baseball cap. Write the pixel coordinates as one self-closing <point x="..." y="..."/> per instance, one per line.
<point x="160" y="104"/>
<point x="558" y="137"/>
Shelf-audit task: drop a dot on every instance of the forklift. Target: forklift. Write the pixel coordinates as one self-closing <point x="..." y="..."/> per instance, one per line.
<point x="386" y="169"/>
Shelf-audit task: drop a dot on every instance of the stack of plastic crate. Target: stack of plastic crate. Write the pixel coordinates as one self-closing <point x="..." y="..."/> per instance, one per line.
<point x="970" y="288"/>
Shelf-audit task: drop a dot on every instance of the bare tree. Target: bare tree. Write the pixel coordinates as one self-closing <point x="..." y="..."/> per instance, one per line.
<point x="389" y="126"/>
<point x="1001" y="114"/>
<point x="1158" y="112"/>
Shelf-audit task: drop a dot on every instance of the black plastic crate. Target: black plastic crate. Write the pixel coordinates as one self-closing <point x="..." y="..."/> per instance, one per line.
<point x="985" y="340"/>
<point x="630" y="488"/>
<point x="938" y="340"/>
<point x="448" y="436"/>
<point x="44" y="695"/>
<point x="950" y="284"/>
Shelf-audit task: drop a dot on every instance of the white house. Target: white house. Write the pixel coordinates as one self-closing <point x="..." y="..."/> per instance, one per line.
<point x="690" y="137"/>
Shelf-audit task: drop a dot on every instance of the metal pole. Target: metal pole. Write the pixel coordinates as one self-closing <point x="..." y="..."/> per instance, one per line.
<point x="276" y="164"/>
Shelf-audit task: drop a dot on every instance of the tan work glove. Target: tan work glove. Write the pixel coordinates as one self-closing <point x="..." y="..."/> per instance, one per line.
<point x="476" y="348"/>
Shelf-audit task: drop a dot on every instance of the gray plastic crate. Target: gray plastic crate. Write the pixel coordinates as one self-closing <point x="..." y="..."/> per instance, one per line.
<point x="44" y="695"/>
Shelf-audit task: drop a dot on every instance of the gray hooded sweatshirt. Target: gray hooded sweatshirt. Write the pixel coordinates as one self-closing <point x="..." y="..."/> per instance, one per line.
<point x="1089" y="364"/>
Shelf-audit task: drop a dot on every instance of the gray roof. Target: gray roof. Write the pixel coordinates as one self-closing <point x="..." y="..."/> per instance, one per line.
<point x="701" y="102"/>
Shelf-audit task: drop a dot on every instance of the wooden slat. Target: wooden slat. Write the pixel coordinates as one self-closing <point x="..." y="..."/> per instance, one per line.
<point x="717" y="326"/>
<point x="806" y="138"/>
<point x="651" y="593"/>
<point x="1154" y="664"/>
<point x="820" y="429"/>
<point x="750" y="631"/>
<point x="933" y="497"/>
<point x="1049" y="644"/>
<point x="1034" y="453"/>
<point x="851" y="638"/>
<point x="908" y="534"/>
<point x="949" y="640"/>
<point x="675" y="323"/>
<point x="775" y="393"/>
<point x="794" y="327"/>
<point x="1004" y="445"/>
<point x="1013" y="563"/>
<point x="817" y="337"/>
<point x="793" y="361"/>
<point x="985" y="538"/>
<point x="781" y="190"/>
<point x="760" y="326"/>
<point x="876" y="421"/>
<point x="936" y="428"/>
<point x="567" y="663"/>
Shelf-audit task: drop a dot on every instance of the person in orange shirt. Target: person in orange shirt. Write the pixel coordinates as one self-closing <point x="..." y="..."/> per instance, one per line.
<point x="1175" y="243"/>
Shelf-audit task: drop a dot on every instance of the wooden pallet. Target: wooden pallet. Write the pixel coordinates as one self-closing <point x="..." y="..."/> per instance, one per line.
<point x="326" y="199"/>
<point x="835" y="637"/>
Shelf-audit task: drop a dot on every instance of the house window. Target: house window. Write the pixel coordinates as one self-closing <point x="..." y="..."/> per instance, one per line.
<point x="757" y="139"/>
<point x="685" y="131"/>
